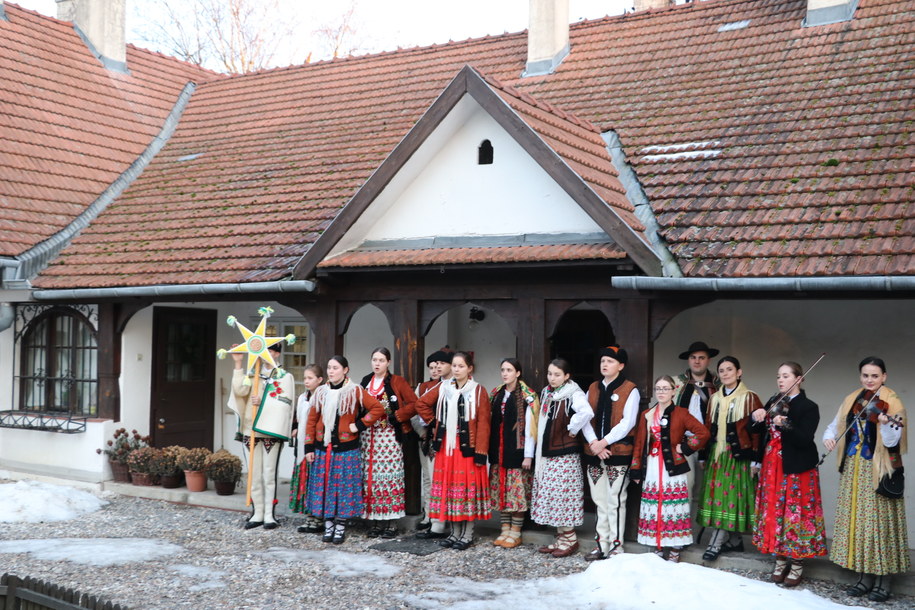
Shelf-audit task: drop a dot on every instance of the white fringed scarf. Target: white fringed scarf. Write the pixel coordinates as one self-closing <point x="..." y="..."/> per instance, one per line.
<point x="550" y="402"/>
<point x="447" y="408"/>
<point x="331" y="402"/>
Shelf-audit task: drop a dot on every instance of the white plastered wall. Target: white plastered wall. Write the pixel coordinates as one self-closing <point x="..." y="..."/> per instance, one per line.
<point x="442" y="191"/>
<point x="764" y="333"/>
<point x="367" y="330"/>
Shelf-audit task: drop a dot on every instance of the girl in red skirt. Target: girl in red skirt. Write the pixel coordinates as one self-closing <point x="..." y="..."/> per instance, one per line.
<point x="789" y="509"/>
<point x="459" y="414"/>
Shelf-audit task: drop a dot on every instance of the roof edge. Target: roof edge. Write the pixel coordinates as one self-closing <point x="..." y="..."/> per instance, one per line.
<point x="881" y="283"/>
<point x="36" y="258"/>
<point x="167" y="290"/>
<point x="643" y="211"/>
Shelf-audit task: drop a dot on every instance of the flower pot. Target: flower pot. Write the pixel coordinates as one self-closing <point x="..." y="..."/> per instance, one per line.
<point x="170" y="481"/>
<point x="224" y="488"/>
<point x="142" y="478"/>
<point x="119" y="472"/>
<point x="196" y="480"/>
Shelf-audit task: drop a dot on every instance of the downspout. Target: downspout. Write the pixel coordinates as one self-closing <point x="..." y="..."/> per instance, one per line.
<point x="172" y="290"/>
<point x="36" y="258"/>
<point x="7" y="315"/>
<point x="636" y="195"/>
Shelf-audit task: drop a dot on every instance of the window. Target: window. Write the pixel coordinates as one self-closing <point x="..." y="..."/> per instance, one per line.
<point x="59" y="365"/>
<point x="484" y="153"/>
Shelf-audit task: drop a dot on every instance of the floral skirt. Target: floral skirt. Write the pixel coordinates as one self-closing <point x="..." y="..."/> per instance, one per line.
<point x="382" y="473"/>
<point x="557" y="498"/>
<point x="664" y="515"/>
<point x="509" y="489"/>
<point x="298" y="488"/>
<point x="789" y="510"/>
<point x="336" y="485"/>
<point x="459" y="488"/>
<point x="728" y="495"/>
<point x="870" y="534"/>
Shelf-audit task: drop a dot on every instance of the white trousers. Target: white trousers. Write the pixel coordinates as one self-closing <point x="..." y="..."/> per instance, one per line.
<point x="426" y="468"/>
<point x="609" y="492"/>
<point x="263" y="480"/>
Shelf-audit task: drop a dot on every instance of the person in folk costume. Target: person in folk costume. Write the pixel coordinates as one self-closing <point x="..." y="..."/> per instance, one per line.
<point x="382" y="447"/>
<point x="460" y="442"/>
<point x="608" y="452"/>
<point x="421" y="430"/>
<point x="693" y="389"/>
<point x="332" y="447"/>
<point x="870" y="533"/>
<point x="789" y="508"/>
<point x="437" y="528"/>
<point x="557" y="497"/>
<point x="312" y="378"/>
<point x="512" y="440"/>
<point x="271" y="425"/>
<point x="659" y="460"/>
<point x="729" y="490"/>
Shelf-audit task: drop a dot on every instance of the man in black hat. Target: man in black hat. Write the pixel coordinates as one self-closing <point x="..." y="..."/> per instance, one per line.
<point x="694" y="388"/>
<point x="435" y="528"/>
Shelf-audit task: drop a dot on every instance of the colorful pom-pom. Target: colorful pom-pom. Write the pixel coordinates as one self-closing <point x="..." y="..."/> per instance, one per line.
<point x="231" y="321"/>
<point x="247" y="381"/>
<point x="290" y="339"/>
<point x="221" y="354"/>
<point x="265" y="311"/>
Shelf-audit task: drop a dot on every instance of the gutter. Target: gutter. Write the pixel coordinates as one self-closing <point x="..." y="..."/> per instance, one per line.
<point x="172" y="290"/>
<point x="877" y="283"/>
<point x="32" y="261"/>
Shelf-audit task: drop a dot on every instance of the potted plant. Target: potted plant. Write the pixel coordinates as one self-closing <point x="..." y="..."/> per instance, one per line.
<point x="165" y="465"/>
<point x="224" y="469"/>
<point x="141" y="463"/>
<point x="119" y="448"/>
<point x="192" y="462"/>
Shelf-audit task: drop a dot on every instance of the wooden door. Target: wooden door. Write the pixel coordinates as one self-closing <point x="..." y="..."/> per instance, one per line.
<point x="183" y="377"/>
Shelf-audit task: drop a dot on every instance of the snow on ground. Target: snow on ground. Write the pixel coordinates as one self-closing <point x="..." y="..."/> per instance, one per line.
<point x="94" y="551"/>
<point x="626" y="582"/>
<point x="339" y="563"/>
<point x="212" y="579"/>
<point x="34" y="502"/>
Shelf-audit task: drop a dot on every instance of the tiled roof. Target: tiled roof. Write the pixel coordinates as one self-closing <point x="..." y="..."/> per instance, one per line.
<point x="467" y="256"/>
<point x="70" y="126"/>
<point x="769" y="149"/>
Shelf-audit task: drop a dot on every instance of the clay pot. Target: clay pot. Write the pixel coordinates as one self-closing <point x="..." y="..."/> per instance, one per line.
<point x="196" y="480"/>
<point x="119" y="472"/>
<point x="224" y="488"/>
<point x="142" y="478"/>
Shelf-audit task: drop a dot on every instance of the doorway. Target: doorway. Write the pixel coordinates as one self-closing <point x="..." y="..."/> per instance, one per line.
<point x="578" y="338"/>
<point x="183" y="377"/>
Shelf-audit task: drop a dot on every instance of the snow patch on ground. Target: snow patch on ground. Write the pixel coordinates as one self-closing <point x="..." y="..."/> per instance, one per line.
<point x="35" y="502"/>
<point x="94" y="551"/>
<point x="211" y="579"/>
<point x="338" y="563"/>
<point x="627" y="582"/>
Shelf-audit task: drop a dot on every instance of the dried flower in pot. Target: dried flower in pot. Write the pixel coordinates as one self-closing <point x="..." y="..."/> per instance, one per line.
<point x="192" y="462"/>
<point x="224" y="469"/>
<point x="165" y="465"/>
<point x="140" y="463"/>
<point x="119" y="448"/>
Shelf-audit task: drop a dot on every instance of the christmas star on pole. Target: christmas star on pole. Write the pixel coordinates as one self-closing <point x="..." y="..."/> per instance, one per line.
<point x="255" y="343"/>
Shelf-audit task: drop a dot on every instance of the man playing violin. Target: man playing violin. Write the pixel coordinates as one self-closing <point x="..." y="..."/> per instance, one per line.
<point x="870" y="533"/>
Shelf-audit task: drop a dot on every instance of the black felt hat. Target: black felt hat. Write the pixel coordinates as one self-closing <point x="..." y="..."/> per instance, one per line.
<point x="440" y="356"/>
<point x="699" y="346"/>
<point x="615" y="352"/>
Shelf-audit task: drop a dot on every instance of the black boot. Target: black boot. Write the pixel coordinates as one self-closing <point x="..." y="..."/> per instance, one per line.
<point x="340" y="531"/>
<point x="328" y="531"/>
<point x="863" y="586"/>
<point x="881" y="590"/>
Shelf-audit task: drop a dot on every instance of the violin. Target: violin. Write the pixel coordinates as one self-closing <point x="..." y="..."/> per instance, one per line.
<point x="866" y="408"/>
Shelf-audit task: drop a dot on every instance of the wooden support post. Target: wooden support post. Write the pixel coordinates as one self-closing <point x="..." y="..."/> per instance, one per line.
<point x="409" y="348"/>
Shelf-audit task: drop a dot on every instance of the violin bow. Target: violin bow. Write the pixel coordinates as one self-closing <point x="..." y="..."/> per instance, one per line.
<point x="778" y="400"/>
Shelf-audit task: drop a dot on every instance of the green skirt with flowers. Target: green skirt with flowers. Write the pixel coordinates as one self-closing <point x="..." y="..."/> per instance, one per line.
<point x="729" y="494"/>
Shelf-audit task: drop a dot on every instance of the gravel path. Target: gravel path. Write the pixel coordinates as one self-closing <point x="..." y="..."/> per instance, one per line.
<point x="222" y="565"/>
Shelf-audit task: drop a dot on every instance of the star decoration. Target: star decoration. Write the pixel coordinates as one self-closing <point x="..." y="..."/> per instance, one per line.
<point x="255" y="344"/>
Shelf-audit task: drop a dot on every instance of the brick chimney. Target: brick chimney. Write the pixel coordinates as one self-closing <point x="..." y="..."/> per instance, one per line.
<point x="101" y="24"/>
<point x="644" y="5"/>
<point x="822" y="12"/>
<point x="547" y="36"/>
